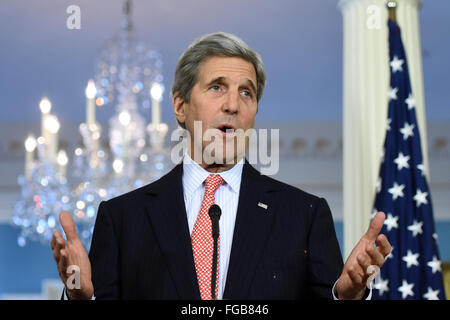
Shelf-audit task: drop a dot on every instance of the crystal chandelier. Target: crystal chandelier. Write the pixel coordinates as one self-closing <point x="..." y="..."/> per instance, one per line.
<point x="128" y="76"/>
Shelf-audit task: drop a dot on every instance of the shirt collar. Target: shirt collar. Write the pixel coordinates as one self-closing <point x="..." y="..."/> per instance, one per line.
<point x="194" y="175"/>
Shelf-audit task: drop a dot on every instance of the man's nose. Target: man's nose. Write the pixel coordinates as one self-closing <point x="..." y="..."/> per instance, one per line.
<point x="231" y="103"/>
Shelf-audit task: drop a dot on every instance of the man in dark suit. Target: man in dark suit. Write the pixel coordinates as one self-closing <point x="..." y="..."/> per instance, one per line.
<point x="276" y="241"/>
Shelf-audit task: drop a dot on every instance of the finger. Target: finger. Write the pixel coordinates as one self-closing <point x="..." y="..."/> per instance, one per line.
<point x="56" y="235"/>
<point x="52" y="242"/>
<point x="56" y="254"/>
<point x="68" y="225"/>
<point x="375" y="226"/>
<point x="62" y="264"/>
<point x="375" y="255"/>
<point x="384" y="246"/>
<point x="364" y="263"/>
<point x="59" y="244"/>
<point x="355" y="275"/>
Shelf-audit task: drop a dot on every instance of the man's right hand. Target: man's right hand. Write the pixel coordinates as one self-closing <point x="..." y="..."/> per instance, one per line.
<point x="72" y="253"/>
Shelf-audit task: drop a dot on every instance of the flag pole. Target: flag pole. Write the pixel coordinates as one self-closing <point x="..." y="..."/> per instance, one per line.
<point x="392" y="5"/>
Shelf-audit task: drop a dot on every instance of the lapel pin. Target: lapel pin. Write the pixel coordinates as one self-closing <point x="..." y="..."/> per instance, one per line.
<point x="262" y="205"/>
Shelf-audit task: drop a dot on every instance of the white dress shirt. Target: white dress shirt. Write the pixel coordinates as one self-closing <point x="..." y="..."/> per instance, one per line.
<point x="226" y="197"/>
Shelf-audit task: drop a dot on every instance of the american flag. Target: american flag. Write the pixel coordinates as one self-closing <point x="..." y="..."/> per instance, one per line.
<point x="413" y="268"/>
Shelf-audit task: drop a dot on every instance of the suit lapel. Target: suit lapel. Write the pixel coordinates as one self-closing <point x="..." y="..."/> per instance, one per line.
<point x="252" y="230"/>
<point x="167" y="213"/>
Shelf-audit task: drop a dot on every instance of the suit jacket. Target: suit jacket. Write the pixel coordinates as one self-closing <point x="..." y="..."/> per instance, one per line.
<point x="141" y="246"/>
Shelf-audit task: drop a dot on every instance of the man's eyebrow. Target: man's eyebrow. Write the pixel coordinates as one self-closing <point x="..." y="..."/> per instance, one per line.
<point x="222" y="79"/>
<point x="216" y="80"/>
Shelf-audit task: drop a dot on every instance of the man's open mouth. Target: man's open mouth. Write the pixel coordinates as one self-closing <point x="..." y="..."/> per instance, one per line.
<point x="226" y="129"/>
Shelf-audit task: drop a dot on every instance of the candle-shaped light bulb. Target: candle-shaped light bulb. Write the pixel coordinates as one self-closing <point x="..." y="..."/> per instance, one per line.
<point x="62" y="158"/>
<point x="30" y="146"/>
<point x="91" y="92"/>
<point x="52" y="124"/>
<point x="45" y="105"/>
<point x="118" y="166"/>
<point x="124" y="118"/>
<point x="156" y="92"/>
<point x="30" y="143"/>
<point x="62" y="161"/>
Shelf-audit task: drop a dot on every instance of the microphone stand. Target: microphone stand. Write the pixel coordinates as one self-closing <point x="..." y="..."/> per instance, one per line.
<point x="214" y="269"/>
<point x="214" y="213"/>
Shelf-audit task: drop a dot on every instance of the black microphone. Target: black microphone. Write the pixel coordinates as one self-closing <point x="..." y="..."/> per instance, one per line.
<point x="214" y="213"/>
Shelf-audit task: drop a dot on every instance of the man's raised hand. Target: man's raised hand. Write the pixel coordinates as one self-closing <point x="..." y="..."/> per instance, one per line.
<point x="72" y="254"/>
<point x="352" y="282"/>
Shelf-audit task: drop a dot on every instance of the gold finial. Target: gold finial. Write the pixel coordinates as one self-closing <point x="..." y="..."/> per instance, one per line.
<point x="392" y="6"/>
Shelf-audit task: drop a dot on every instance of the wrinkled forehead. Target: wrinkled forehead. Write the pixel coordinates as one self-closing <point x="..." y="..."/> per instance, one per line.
<point x="233" y="69"/>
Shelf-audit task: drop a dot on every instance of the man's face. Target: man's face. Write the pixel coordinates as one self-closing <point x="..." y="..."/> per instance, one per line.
<point x="224" y="97"/>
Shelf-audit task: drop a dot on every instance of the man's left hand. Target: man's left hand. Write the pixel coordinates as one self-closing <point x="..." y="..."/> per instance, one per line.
<point x="352" y="282"/>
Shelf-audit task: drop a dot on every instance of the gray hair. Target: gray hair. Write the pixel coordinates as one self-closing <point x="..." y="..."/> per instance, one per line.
<point x="214" y="44"/>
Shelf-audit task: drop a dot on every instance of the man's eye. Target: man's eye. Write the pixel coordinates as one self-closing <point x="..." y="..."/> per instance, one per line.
<point x="247" y="93"/>
<point x="215" y="88"/>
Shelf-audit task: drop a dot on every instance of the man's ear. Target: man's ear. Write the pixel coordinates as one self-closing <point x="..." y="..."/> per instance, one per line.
<point x="178" y="104"/>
